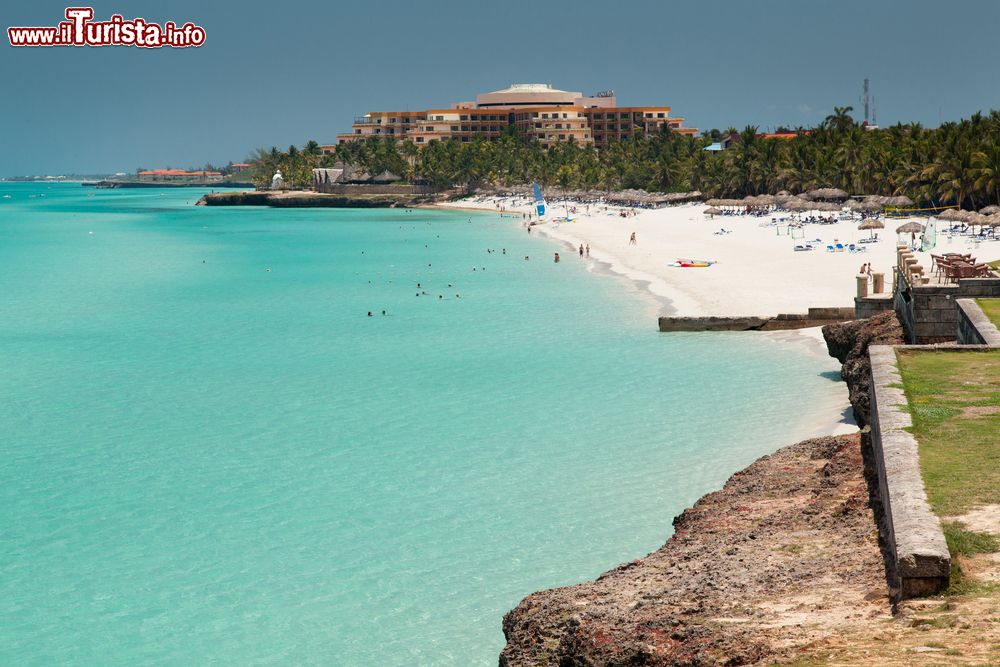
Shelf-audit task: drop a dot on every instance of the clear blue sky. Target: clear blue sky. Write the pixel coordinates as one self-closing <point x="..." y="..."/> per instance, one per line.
<point x="278" y="73"/>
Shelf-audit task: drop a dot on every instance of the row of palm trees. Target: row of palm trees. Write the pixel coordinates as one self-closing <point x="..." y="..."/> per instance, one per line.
<point x="956" y="163"/>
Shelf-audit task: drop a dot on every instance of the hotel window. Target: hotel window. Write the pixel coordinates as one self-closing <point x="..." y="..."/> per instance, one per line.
<point x="454" y="128"/>
<point x="623" y="115"/>
<point x="649" y="115"/>
<point x="357" y="131"/>
<point x="660" y="115"/>
<point x="558" y="126"/>
<point x="420" y="140"/>
<point x="562" y="136"/>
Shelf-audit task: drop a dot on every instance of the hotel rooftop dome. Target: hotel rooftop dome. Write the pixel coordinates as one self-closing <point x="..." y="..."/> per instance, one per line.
<point x="528" y="94"/>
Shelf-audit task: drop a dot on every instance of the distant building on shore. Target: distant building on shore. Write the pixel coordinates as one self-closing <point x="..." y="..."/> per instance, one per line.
<point x="537" y="111"/>
<point x="178" y="176"/>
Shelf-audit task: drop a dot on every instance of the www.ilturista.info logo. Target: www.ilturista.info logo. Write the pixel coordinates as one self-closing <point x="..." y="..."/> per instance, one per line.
<point x="80" y="30"/>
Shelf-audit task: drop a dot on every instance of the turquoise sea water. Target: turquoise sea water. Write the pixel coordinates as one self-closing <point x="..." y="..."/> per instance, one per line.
<point x="206" y="462"/>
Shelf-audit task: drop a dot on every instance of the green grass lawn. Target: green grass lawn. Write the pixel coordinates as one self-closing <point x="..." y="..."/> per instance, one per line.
<point x="954" y="399"/>
<point x="992" y="309"/>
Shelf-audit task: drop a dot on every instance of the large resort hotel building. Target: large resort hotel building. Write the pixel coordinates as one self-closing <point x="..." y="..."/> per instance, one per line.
<point x="537" y="111"/>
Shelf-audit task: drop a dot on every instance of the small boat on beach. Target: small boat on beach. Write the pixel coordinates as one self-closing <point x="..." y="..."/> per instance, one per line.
<point x="693" y="263"/>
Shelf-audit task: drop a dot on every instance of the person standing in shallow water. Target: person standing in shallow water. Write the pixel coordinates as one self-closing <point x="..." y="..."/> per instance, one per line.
<point x="557" y="258"/>
<point x="581" y="250"/>
<point x="588" y="250"/>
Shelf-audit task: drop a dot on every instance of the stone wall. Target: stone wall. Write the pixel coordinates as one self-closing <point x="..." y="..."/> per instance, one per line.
<point x="974" y="328"/>
<point x="869" y="306"/>
<point x="920" y="560"/>
<point x="815" y="317"/>
<point x="928" y="312"/>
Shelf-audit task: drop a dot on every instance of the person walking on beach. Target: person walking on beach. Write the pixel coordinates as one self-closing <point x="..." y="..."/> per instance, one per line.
<point x="581" y="250"/>
<point x="631" y="239"/>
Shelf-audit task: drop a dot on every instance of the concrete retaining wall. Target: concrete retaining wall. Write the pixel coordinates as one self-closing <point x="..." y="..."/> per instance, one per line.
<point x="974" y="328"/>
<point x="920" y="555"/>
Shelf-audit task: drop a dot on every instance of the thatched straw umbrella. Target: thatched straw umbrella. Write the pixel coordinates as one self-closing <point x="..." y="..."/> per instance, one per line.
<point x="990" y="210"/>
<point x="871" y="224"/>
<point x="712" y="211"/>
<point x="911" y="228"/>
<point x="898" y="201"/>
<point x="952" y="215"/>
<point x="827" y="194"/>
<point x="866" y="206"/>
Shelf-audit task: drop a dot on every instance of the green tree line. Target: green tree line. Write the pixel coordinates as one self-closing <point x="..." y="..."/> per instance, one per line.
<point x="956" y="163"/>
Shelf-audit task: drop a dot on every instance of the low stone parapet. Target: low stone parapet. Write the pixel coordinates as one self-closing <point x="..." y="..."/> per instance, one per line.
<point x="974" y="328"/>
<point x="815" y="317"/>
<point x="920" y="563"/>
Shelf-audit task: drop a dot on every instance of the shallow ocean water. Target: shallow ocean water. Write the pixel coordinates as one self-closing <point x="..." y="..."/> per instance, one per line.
<point x="211" y="454"/>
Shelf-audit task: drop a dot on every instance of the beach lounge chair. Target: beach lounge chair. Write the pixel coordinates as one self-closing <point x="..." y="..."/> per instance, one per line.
<point x="803" y="246"/>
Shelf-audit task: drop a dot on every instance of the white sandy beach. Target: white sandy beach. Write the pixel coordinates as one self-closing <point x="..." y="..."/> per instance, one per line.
<point x="758" y="271"/>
